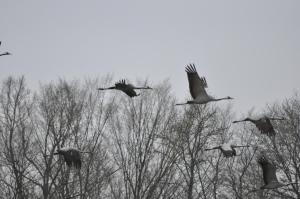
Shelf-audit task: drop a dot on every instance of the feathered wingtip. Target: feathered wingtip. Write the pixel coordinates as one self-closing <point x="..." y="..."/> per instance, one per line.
<point x="190" y="68"/>
<point x="263" y="160"/>
<point x="122" y="81"/>
<point x="77" y="165"/>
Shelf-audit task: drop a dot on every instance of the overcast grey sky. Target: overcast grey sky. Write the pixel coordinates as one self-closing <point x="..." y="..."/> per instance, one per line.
<point x="249" y="50"/>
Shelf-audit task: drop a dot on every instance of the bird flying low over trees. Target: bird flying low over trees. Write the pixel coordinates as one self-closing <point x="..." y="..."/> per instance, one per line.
<point x="197" y="87"/>
<point x="269" y="175"/>
<point x="226" y="149"/>
<point x="6" y="53"/>
<point x="263" y="124"/>
<point x="129" y="89"/>
<point x="71" y="156"/>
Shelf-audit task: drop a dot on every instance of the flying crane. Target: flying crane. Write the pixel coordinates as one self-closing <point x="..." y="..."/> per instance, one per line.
<point x="129" y="89"/>
<point x="71" y="156"/>
<point x="226" y="149"/>
<point x="263" y="124"/>
<point x="197" y="87"/>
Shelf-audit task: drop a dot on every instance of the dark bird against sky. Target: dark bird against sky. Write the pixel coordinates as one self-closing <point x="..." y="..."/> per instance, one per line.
<point x="197" y="87"/>
<point x="129" y="89"/>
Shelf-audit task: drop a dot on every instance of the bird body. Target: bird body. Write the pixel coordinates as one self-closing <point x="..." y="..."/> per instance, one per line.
<point x="269" y="174"/>
<point x="126" y="88"/>
<point x="71" y="156"/>
<point x="197" y="87"/>
<point x="263" y="124"/>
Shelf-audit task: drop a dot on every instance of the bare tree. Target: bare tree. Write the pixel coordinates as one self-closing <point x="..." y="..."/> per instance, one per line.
<point x="142" y="149"/>
<point x="16" y="129"/>
<point x="198" y="127"/>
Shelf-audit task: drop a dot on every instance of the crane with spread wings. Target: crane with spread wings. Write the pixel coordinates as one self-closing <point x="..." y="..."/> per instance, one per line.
<point x="197" y="87"/>
<point x="127" y="88"/>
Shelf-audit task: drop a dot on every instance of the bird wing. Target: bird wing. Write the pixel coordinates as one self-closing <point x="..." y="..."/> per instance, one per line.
<point x="197" y="84"/>
<point x="76" y="158"/>
<point x="265" y="126"/>
<point x="68" y="158"/>
<point x="122" y="82"/>
<point x="269" y="170"/>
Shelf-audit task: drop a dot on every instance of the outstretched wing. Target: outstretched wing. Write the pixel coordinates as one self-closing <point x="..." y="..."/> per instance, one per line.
<point x="197" y="84"/>
<point x="122" y="82"/>
<point x="269" y="170"/>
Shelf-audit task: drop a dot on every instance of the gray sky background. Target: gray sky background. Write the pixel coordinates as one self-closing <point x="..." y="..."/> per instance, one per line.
<point x="249" y="50"/>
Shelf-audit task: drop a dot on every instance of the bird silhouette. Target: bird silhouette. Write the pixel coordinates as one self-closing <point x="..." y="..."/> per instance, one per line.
<point x="129" y="89"/>
<point x="197" y="87"/>
<point x="71" y="156"/>
<point x="226" y="149"/>
<point x="263" y="124"/>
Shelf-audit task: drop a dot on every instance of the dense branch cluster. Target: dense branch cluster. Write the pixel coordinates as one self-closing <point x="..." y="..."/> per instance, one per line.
<point x="136" y="148"/>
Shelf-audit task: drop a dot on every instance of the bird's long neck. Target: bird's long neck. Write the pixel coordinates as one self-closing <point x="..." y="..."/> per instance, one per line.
<point x="142" y="88"/>
<point x="245" y="120"/>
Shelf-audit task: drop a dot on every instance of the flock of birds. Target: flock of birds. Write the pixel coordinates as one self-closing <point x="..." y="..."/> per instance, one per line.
<point x="197" y="86"/>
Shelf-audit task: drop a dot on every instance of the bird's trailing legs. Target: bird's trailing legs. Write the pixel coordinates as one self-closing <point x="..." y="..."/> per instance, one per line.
<point x="237" y="146"/>
<point x="6" y="53"/>
<point x="276" y="118"/>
